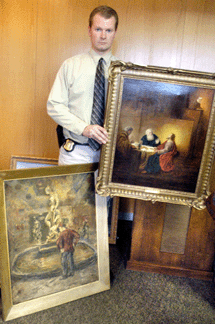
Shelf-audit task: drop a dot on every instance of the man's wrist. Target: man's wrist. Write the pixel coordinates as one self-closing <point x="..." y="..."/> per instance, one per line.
<point x="84" y="133"/>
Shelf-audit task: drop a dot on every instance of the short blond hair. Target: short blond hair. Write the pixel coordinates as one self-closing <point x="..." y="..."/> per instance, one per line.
<point x="106" y="12"/>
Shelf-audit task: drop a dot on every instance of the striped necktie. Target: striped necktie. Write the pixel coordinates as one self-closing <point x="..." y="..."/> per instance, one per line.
<point x="97" y="116"/>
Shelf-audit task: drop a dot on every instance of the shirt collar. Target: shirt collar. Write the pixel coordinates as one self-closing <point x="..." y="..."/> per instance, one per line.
<point x="96" y="57"/>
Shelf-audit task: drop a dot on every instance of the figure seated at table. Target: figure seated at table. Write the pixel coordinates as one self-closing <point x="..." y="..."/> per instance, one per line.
<point x="127" y="154"/>
<point x="150" y="139"/>
<point x="162" y="159"/>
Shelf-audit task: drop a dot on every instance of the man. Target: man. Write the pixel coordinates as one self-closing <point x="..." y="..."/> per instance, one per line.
<point x="163" y="157"/>
<point x="71" y="99"/>
<point x="150" y="139"/>
<point x="123" y="144"/>
<point x="66" y="243"/>
<point x="127" y="156"/>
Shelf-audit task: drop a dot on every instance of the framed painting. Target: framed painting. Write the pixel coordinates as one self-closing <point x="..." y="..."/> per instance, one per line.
<point x="54" y="238"/>
<point x="161" y="135"/>
<point x="26" y="162"/>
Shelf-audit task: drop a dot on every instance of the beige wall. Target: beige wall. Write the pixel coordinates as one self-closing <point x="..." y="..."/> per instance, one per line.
<point x="37" y="36"/>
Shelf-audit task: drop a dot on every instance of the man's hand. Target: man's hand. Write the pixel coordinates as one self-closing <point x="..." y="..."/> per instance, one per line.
<point x="96" y="132"/>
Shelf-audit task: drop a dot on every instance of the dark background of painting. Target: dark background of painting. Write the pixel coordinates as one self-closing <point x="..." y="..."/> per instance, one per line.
<point x="166" y="108"/>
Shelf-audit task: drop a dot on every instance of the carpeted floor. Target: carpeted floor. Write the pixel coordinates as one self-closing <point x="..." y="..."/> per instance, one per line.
<point x="136" y="298"/>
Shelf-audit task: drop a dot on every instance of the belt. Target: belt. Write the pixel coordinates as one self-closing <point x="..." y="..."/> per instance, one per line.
<point x="69" y="145"/>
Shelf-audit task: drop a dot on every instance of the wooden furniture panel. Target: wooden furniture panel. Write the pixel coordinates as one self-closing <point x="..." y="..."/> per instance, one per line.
<point x="146" y="240"/>
<point x="148" y="219"/>
<point x="145" y="255"/>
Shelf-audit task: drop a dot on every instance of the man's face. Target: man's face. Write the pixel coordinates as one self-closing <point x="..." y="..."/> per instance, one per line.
<point x="102" y="34"/>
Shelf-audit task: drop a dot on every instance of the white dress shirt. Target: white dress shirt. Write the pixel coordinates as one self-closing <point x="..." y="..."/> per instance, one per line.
<point x="71" y="98"/>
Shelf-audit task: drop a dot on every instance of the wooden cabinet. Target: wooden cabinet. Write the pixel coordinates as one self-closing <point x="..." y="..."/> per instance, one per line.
<point x="145" y="253"/>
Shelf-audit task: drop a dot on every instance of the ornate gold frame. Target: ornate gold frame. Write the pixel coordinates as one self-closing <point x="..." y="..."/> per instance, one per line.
<point x="10" y="223"/>
<point x="120" y="73"/>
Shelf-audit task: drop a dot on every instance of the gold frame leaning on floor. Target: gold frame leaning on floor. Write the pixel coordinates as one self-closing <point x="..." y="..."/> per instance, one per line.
<point x="27" y="197"/>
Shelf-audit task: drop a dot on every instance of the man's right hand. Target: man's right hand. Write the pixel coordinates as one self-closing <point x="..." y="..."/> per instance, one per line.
<point x="98" y="133"/>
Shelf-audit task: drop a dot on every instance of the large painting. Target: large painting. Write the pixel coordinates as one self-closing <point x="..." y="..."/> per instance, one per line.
<point x="161" y="134"/>
<point x="54" y="238"/>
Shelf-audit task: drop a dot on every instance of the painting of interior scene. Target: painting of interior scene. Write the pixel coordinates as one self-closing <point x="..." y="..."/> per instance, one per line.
<point x="51" y="225"/>
<point x="161" y="134"/>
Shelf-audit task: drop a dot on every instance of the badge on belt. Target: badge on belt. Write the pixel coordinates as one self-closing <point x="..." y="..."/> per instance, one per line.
<point x="69" y="145"/>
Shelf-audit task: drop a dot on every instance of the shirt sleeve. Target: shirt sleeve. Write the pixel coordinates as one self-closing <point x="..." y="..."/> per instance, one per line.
<point x="58" y="102"/>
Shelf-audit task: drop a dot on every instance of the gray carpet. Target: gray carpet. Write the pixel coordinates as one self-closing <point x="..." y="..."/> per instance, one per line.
<point x="136" y="298"/>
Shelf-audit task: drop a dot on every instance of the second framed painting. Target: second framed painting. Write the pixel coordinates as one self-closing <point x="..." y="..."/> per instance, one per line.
<point x="161" y="135"/>
<point x="54" y="238"/>
<point x="28" y="162"/>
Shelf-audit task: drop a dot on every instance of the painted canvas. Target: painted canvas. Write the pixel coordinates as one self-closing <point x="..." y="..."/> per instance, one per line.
<point x="52" y="232"/>
<point x="26" y="162"/>
<point x="159" y="114"/>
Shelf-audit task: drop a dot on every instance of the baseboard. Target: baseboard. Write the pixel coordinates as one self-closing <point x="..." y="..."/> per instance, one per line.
<point x="173" y="271"/>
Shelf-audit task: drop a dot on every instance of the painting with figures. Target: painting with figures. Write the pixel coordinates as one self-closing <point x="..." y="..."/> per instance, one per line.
<point x="52" y="232"/>
<point x="161" y="135"/>
<point x="157" y="114"/>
